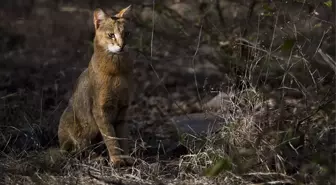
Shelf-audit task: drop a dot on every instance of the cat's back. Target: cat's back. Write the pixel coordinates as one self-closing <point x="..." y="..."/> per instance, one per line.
<point x="81" y="98"/>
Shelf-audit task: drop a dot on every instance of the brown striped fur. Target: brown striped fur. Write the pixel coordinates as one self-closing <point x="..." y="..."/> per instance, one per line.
<point x="98" y="106"/>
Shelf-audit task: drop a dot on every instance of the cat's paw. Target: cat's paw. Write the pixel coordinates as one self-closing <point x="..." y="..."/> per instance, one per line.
<point x="117" y="161"/>
<point x="122" y="160"/>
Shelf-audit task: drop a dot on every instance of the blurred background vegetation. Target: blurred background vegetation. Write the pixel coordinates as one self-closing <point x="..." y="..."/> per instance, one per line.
<point x="270" y="64"/>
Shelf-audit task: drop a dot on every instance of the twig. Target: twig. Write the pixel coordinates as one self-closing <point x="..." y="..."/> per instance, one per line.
<point x="320" y="43"/>
<point x="151" y="57"/>
<point x="327" y="59"/>
<point x="316" y="111"/>
<point x="275" y="182"/>
<point x="9" y="95"/>
<point x="193" y="64"/>
<point x="153" y="27"/>
<point x="267" y="174"/>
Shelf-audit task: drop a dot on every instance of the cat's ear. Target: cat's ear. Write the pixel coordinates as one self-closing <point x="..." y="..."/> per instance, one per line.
<point x="98" y="16"/>
<point x="124" y="12"/>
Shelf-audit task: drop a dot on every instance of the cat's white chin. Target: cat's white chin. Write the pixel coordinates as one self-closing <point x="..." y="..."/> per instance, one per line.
<point x="113" y="48"/>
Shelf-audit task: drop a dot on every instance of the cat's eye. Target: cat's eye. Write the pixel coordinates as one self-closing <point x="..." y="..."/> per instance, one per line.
<point x="111" y="35"/>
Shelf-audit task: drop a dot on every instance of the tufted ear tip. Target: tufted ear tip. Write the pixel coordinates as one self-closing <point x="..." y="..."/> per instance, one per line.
<point x="124" y="12"/>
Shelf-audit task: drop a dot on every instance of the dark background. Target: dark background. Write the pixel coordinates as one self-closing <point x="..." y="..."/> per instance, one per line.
<point x="193" y="50"/>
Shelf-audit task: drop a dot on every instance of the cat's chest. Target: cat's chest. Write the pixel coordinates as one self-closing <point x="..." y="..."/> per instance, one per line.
<point x="113" y="84"/>
<point x="114" y="89"/>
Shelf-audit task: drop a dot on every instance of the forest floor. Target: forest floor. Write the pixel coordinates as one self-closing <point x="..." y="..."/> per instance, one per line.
<point x="267" y="80"/>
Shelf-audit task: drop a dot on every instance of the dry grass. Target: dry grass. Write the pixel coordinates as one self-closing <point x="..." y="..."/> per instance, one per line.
<point x="276" y="75"/>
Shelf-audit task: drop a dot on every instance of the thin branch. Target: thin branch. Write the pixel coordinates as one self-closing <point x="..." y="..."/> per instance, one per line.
<point x="151" y="57"/>
<point x="193" y="64"/>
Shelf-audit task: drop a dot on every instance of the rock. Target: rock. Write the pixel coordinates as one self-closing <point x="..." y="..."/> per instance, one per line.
<point x="190" y="127"/>
<point x="197" y="123"/>
<point x="221" y="101"/>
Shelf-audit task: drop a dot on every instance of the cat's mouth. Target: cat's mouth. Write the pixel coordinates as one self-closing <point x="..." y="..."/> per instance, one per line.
<point x="115" y="49"/>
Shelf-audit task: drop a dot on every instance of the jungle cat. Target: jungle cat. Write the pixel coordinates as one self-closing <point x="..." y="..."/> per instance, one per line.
<point x="98" y="106"/>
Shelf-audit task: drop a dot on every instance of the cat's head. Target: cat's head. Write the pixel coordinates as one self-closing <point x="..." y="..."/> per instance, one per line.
<point x="110" y="30"/>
